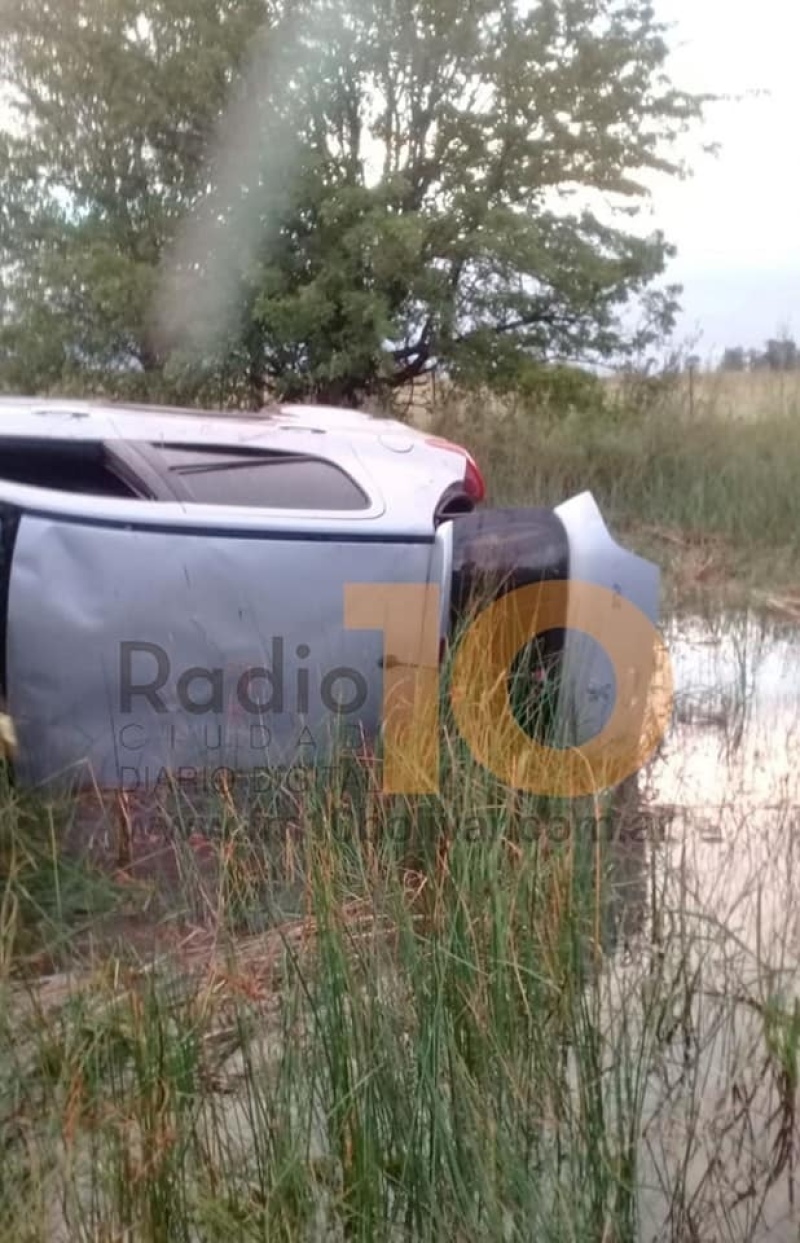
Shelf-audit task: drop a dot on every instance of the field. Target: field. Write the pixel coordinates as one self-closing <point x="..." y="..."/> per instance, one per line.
<point x="701" y="473"/>
<point x="321" y="1013"/>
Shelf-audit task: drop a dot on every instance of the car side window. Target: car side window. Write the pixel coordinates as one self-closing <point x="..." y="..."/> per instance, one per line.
<point x="64" y="466"/>
<point x="212" y="476"/>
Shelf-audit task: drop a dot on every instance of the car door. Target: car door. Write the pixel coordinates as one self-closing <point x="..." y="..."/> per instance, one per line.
<point x="147" y="635"/>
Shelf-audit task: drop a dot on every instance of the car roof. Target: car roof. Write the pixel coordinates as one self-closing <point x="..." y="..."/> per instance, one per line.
<point x="70" y="419"/>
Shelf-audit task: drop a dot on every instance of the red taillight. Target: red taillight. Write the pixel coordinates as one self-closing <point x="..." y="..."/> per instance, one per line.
<point x="474" y="483"/>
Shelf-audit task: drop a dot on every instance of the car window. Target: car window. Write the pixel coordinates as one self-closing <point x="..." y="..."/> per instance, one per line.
<point x="65" y="466"/>
<point x="262" y="480"/>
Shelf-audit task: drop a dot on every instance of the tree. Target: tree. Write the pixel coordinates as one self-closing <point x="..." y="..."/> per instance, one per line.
<point x="113" y="105"/>
<point x="385" y="194"/>
<point x="734" y="359"/>
<point x="781" y="354"/>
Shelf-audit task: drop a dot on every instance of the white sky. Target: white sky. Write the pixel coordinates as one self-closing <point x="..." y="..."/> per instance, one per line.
<point x="736" y="223"/>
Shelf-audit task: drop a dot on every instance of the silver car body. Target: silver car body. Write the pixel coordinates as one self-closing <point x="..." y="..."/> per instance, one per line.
<point x="129" y="622"/>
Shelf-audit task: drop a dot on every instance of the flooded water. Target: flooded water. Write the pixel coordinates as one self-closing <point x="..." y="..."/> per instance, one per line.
<point x="727" y="780"/>
<point x="723" y="928"/>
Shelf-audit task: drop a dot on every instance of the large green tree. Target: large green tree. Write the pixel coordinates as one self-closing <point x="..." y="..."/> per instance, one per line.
<point x="111" y="106"/>
<point x="222" y="197"/>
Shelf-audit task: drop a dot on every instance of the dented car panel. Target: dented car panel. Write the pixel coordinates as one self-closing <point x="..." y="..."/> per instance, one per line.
<point x="173" y="585"/>
<point x="590" y="683"/>
<point x="166" y="649"/>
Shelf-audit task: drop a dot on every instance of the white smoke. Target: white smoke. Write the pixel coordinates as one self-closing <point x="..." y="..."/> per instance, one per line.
<point x="252" y="167"/>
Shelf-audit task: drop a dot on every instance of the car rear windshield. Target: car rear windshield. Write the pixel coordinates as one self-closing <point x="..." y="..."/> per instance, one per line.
<point x="260" y="480"/>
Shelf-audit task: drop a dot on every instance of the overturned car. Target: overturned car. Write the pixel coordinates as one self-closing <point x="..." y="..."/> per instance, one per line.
<point x="174" y="585"/>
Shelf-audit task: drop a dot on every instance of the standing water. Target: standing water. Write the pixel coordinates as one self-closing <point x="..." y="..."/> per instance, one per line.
<point x="717" y="1151"/>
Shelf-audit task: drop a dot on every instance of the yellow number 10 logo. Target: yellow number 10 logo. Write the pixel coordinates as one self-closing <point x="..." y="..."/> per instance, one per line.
<point x="408" y="615"/>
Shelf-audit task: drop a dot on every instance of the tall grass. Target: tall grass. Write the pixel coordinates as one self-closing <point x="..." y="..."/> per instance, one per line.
<point x="701" y="478"/>
<point x="455" y="1035"/>
<point x="658" y="467"/>
<point x="375" y="1059"/>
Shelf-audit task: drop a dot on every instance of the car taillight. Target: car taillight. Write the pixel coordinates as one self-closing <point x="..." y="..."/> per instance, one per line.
<point x="474" y="483"/>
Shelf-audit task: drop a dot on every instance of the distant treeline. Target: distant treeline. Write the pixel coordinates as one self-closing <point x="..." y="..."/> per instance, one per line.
<point x="780" y="354"/>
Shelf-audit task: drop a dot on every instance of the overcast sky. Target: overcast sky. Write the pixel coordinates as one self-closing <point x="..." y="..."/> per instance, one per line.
<point x="737" y="221"/>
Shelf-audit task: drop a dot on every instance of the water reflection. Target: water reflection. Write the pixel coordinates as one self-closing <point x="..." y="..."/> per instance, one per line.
<point x="727" y="777"/>
<point x="736" y="723"/>
<point x="717" y="925"/>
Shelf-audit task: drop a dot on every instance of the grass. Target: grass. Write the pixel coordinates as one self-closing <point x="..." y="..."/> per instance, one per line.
<point x="707" y="486"/>
<point x="384" y="1058"/>
<point x="394" y="1060"/>
<point x="469" y="1017"/>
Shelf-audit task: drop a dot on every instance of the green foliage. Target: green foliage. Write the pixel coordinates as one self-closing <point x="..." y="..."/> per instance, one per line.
<point x="557" y="387"/>
<point x="213" y="200"/>
<point x="113" y="107"/>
